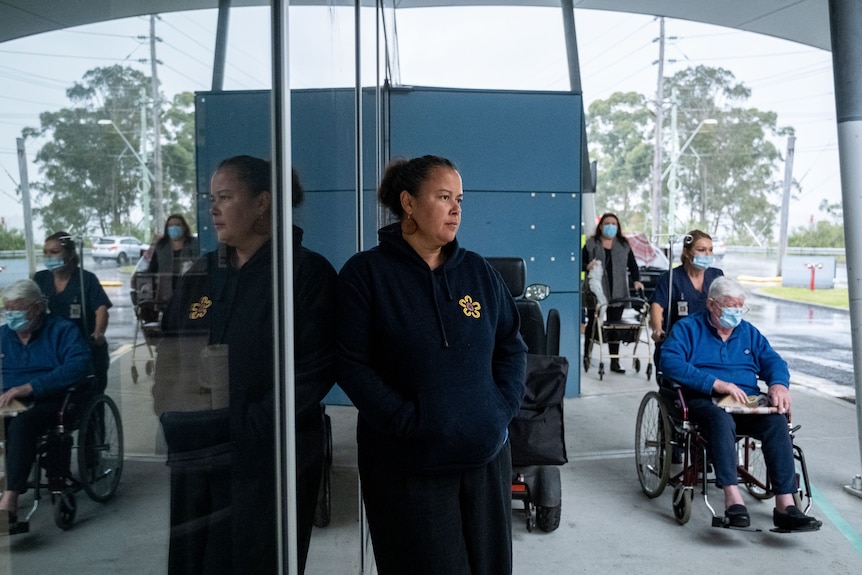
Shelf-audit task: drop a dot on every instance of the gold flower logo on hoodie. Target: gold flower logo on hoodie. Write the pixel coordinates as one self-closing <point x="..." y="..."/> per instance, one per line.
<point x="199" y="308"/>
<point x="470" y="308"/>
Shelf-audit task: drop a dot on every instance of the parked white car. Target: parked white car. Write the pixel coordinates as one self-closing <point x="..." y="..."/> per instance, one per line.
<point x="121" y="249"/>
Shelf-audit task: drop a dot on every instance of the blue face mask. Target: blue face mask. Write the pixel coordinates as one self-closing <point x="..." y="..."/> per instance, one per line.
<point x="702" y="262"/>
<point x="730" y="317"/>
<point x="175" y="232"/>
<point x="16" y="319"/>
<point x="609" y="230"/>
<point x="53" y="262"/>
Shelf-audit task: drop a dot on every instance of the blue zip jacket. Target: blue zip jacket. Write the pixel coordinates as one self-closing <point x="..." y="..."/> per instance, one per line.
<point x="56" y="357"/>
<point x="433" y="359"/>
<point x="694" y="356"/>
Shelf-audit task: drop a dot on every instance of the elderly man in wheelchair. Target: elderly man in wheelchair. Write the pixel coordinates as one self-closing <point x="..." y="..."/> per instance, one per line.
<point x="41" y="357"/>
<point x="716" y="354"/>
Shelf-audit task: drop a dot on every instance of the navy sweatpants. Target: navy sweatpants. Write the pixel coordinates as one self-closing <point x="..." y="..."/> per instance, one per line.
<point x="454" y="523"/>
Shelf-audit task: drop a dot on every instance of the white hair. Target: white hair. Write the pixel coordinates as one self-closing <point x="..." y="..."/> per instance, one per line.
<point x="25" y="291"/>
<point x="726" y="287"/>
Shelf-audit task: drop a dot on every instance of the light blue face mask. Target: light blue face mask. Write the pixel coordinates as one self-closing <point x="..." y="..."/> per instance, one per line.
<point x="16" y="319"/>
<point x="609" y="230"/>
<point x="53" y="262"/>
<point x="702" y="262"/>
<point x="731" y="316"/>
<point x="175" y="232"/>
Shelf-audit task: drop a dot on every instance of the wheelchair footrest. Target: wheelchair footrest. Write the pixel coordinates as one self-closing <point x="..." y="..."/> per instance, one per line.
<point x="815" y="527"/>
<point x="724" y="523"/>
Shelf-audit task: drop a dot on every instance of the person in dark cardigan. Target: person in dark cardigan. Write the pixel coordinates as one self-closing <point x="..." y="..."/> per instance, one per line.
<point x="173" y="255"/>
<point x="219" y="337"/>
<point x="610" y="248"/>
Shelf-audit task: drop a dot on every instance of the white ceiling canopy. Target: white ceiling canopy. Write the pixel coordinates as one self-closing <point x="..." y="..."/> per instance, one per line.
<point x="803" y="21"/>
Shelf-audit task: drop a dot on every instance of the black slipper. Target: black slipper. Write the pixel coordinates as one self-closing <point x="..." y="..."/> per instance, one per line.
<point x="794" y="520"/>
<point x="737" y="516"/>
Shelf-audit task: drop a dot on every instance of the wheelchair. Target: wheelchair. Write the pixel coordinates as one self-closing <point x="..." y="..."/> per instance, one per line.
<point x="536" y="434"/>
<point x="665" y="437"/>
<point x="82" y="450"/>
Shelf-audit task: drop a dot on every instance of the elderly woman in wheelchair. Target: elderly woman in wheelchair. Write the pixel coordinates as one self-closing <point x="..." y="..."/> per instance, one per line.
<point x="716" y="353"/>
<point x="41" y="356"/>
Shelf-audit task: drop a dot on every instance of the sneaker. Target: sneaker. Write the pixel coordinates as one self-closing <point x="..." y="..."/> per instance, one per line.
<point x="794" y="520"/>
<point x="737" y="516"/>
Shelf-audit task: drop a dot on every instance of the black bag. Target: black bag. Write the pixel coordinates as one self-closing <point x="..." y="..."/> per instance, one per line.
<point x="536" y="434"/>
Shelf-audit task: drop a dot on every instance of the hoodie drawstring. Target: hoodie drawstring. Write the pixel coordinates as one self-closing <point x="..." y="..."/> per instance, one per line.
<point x="449" y="297"/>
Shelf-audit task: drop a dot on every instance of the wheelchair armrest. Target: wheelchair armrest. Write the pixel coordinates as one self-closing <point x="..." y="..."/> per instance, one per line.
<point x="674" y="389"/>
<point x="71" y="395"/>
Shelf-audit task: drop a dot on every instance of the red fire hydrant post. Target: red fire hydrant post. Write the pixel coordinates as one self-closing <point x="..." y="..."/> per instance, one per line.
<point x="813" y="268"/>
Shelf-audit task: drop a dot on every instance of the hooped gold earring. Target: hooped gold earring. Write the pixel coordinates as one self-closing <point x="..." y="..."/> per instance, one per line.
<point x="409" y="226"/>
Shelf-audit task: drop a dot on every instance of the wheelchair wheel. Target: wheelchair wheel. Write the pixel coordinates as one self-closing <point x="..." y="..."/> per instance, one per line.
<point x="100" y="448"/>
<point x="548" y="518"/>
<point x="751" y="462"/>
<point x="65" y="509"/>
<point x="653" y="444"/>
<point x="682" y="504"/>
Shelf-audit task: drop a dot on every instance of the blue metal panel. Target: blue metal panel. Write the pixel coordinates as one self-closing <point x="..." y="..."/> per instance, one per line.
<point x="519" y="157"/>
<point x="501" y="140"/>
<point x="226" y="124"/>
<point x="518" y="153"/>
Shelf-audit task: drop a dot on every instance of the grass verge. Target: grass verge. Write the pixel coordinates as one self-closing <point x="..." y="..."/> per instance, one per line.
<point x="837" y="297"/>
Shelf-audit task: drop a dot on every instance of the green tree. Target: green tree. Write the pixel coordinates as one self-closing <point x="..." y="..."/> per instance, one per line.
<point x="619" y="139"/>
<point x="90" y="178"/>
<point x="730" y="176"/>
<point x="178" y="156"/>
<point x="822" y="235"/>
<point x="11" y="238"/>
<point x="834" y="211"/>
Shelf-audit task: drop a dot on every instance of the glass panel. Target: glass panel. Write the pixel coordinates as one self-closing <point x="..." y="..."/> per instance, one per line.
<point x="323" y="148"/>
<point x="198" y="351"/>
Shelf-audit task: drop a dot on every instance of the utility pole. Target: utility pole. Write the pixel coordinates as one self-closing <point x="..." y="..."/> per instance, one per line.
<point x="28" y="213"/>
<point x="785" y="201"/>
<point x="157" y="130"/>
<point x="673" y="178"/>
<point x="655" y="199"/>
<point x="144" y="182"/>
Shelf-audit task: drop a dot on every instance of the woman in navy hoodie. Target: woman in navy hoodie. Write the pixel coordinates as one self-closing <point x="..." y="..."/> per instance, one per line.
<point x="429" y="352"/>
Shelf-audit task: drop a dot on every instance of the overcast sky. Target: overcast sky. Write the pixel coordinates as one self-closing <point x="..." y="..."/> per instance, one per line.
<point x="500" y="48"/>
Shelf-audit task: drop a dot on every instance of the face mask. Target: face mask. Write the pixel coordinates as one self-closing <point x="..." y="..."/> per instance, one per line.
<point x="730" y="317"/>
<point x="17" y="320"/>
<point x="175" y="232"/>
<point x="702" y="262"/>
<point x="53" y="262"/>
<point x="609" y="230"/>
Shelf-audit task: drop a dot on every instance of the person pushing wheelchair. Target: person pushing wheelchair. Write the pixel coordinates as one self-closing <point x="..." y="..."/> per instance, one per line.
<point x="716" y="353"/>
